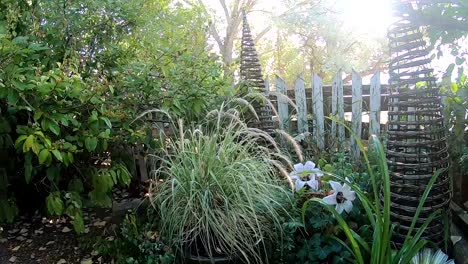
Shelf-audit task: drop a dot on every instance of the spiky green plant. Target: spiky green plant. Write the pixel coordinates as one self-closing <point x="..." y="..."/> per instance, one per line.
<point x="220" y="192"/>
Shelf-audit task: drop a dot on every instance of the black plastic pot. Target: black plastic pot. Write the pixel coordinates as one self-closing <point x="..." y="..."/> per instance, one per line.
<point x="192" y="259"/>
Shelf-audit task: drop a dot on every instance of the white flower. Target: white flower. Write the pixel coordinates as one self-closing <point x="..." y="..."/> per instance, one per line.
<point x="428" y="256"/>
<point x="342" y="197"/>
<point x="305" y="175"/>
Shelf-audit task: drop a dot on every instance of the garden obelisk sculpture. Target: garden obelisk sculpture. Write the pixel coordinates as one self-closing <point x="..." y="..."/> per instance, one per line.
<point x="251" y="74"/>
<point x="416" y="141"/>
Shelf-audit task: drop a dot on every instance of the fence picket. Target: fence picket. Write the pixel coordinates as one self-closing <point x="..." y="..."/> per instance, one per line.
<point x="374" y="111"/>
<point x="334" y="102"/>
<point x="340" y="105"/>
<point x="283" y="110"/>
<point x="317" y="103"/>
<point x="299" y="91"/>
<point x="356" y="124"/>
<point x="356" y="96"/>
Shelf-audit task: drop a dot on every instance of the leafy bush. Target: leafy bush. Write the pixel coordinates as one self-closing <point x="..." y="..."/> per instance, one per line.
<point x="455" y="113"/>
<point x="378" y="249"/>
<point x="72" y="78"/>
<point x="312" y="234"/>
<point x="312" y="240"/>
<point x="135" y="243"/>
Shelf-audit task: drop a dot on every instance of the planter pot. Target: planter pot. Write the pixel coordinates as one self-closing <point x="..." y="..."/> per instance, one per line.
<point x="192" y="259"/>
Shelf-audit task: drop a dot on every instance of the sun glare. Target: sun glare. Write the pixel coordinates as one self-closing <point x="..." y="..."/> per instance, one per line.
<point x="367" y="16"/>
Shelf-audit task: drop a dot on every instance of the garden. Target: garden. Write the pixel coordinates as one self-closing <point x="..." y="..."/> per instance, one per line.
<point x="166" y="131"/>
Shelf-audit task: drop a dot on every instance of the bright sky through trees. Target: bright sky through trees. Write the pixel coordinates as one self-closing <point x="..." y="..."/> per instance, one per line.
<point x="367" y="16"/>
<point x="358" y="21"/>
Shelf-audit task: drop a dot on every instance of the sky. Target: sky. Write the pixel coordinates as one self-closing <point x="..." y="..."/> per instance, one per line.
<point x="364" y="16"/>
<point x="367" y="18"/>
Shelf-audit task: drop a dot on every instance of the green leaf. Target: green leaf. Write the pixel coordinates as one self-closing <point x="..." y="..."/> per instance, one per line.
<point x="449" y="69"/>
<point x="78" y="223"/>
<point x="28" y="143"/>
<point x="454" y="88"/>
<point x="20" y="139"/>
<point x="54" y="127"/>
<point x="91" y="143"/>
<point x="459" y="60"/>
<point x="28" y="168"/>
<point x="57" y="155"/>
<point x="38" y="115"/>
<point x="53" y="173"/>
<point x="54" y="203"/>
<point x="43" y="155"/>
<point x="13" y="97"/>
<point x="107" y="121"/>
<point x="76" y="185"/>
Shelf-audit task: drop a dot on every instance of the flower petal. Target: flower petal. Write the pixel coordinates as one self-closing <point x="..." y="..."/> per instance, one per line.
<point x="300" y="184"/>
<point x="330" y="199"/>
<point x="318" y="173"/>
<point x="293" y="175"/>
<point x="350" y="196"/>
<point x="348" y="206"/>
<point x="313" y="184"/>
<point x="339" y="208"/>
<point x="309" y="165"/>
<point x="346" y="188"/>
<point x="312" y="177"/>
<point x="336" y="186"/>
<point x="299" y="167"/>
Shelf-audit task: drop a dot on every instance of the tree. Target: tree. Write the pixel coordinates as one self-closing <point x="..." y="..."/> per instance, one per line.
<point x="74" y="75"/>
<point x="313" y="38"/>
<point x="447" y="27"/>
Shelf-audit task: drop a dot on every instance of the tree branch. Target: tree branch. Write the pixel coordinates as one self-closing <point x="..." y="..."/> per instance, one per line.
<point x="262" y="33"/>
<point x="226" y="11"/>
<point x="214" y="32"/>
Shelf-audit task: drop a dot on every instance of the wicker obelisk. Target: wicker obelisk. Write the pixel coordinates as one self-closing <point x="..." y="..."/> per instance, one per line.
<point x="416" y="141"/>
<point x="251" y="74"/>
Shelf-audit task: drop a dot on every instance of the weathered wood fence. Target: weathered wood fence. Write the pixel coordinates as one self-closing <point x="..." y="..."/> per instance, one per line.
<point x="316" y="103"/>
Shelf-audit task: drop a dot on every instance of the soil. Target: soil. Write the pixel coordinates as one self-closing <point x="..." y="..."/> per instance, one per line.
<point x="39" y="239"/>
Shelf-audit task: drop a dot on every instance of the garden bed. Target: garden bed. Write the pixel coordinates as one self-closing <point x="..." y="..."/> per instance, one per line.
<point x="38" y="239"/>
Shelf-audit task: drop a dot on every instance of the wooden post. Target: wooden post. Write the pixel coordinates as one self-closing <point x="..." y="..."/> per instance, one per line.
<point x="317" y="103"/>
<point x="340" y="107"/>
<point x="301" y="103"/>
<point x="356" y="124"/>
<point x="374" y="111"/>
<point x="267" y="87"/>
<point x="334" y="103"/>
<point x="283" y="110"/>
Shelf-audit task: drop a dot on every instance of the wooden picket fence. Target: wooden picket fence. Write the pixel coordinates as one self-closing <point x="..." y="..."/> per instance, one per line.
<point x="320" y="101"/>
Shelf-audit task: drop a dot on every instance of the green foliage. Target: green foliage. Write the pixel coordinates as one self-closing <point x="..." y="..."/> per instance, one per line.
<point x="447" y="27"/>
<point x="73" y="76"/>
<point x="340" y="164"/>
<point x="135" y="243"/>
<point x="315" y="239"/>
<point x="312" y="241"/>
<point x="220" y="191"/>
<point x="455" y="112"/>
<point x="104" y="179"/>
<point x="378" y="250"/>
<point x="310" y="38"/>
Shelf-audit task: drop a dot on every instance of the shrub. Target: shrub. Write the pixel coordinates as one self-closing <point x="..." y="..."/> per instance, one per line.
<point x="220" y="194"/>
<point x="135" y="243"/>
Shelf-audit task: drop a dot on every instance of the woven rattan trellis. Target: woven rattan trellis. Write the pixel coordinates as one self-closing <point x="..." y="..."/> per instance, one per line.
<point x="251" y="74"/>
<point x="416" y="142"/>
